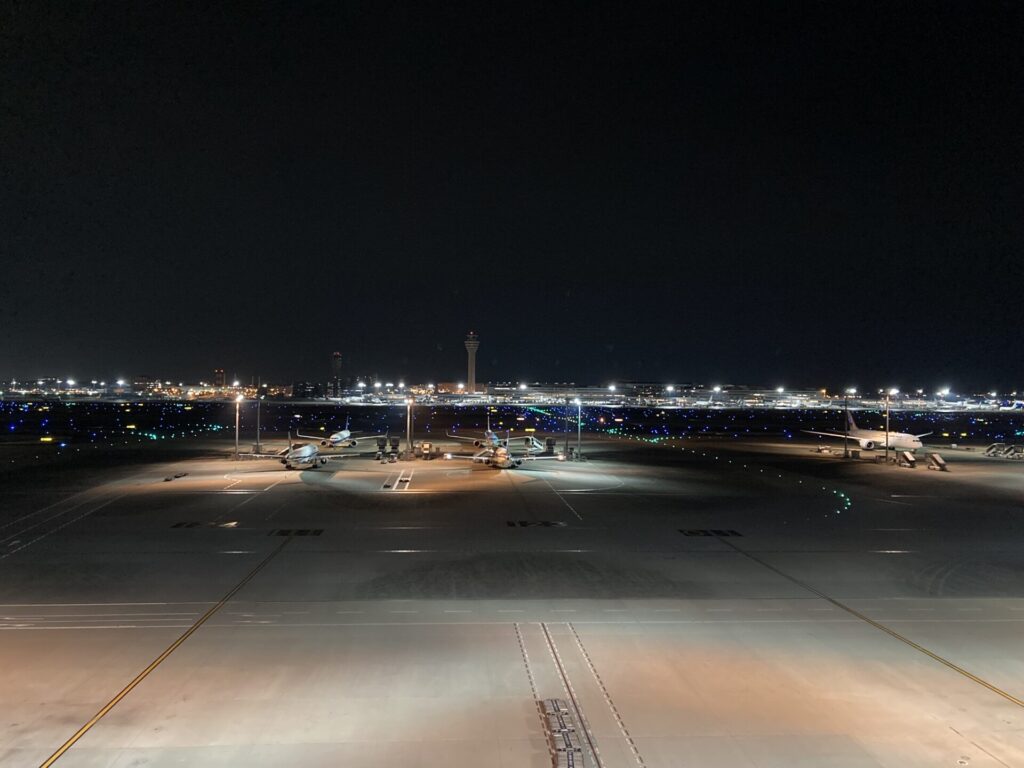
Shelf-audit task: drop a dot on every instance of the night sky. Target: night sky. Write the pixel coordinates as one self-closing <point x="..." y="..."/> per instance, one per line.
<point x="775" y="193"/>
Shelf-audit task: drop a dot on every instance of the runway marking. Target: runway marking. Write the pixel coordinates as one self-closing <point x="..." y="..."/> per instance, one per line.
<point x="562" y="498"/>
<point x="530" y="678"/>
<point x="88" y="615"/>
<point x="159" y="659"/>
<point x="94" y="626"/>
<point x="458" y="610"/>
<point x="45" y="509"/>
<point x="878" y="625"/>
<point x="264" y="624"/>
<point x="607" y="698"/>
<point x="41" y="536"/>
<point x="978" y="746"/>
<point x="404" y="481"/>
<point x="571" y="693"/>
<point x="43" y="522"/>
<point x="85" y="605"/>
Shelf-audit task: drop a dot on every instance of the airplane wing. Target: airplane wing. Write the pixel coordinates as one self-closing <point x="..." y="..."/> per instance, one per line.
<point x="925" y="434"/>
<point x="349" y="439"/>
<point x="334" y="456"/>
<point x="459" y="437"/>
<point x="485" y="454"/>
<point x="364" y="437"/>
<point x="265" y="455"/>
<point x="827" y="434"/>
<point x="555" y="456"/>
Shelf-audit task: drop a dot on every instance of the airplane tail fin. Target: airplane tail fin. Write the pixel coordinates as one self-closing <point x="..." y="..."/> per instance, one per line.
<point x="347" y="420"/>
<point x="289" y="439"/>
<point x="850" y="423"/>
<point x="488" y="419"/>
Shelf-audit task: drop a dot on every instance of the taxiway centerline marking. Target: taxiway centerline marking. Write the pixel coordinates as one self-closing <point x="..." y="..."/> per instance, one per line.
<point x="46" y="509"/>
<point x="607" y="698"/>
<point x="159" y="659"/>
<point x="562" y="499"/>
<point x="571" y="692"/>
<point x="41" y="536"/>
<point x="878" y="625"/>
<point x="23" y="531"/>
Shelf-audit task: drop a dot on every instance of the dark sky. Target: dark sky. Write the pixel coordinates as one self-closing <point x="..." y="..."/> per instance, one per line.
<point x="793" y="193"/>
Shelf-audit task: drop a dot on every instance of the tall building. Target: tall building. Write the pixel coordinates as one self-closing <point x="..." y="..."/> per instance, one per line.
<point x="335" y="384"/>
<point x="472" y="345"/>
<point x="218" y="377"/>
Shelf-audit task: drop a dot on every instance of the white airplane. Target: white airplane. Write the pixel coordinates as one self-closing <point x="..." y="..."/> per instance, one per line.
<point x="869" y="439"/>
<point x="340" y="438"/>
<point x="490" y="438"/>
<point x="302" y="455"/>
<point x="502" y="458"/>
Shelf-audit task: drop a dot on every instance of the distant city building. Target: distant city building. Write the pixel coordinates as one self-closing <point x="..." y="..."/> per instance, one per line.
<point x="307" y="390"/>
<point x="142" y="383"/>
<point x="218" y="377"/>
<point x="472" y="345"/>
<point x="335" y="384"/>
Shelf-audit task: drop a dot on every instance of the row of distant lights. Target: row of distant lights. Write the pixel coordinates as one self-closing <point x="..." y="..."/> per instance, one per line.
<point x="611" y="387"/>
<point x="119" y="383"/>
<point x="845" y="503"/>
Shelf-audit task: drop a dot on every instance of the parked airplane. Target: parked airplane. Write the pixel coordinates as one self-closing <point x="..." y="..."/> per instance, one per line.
<point x="302" y="455"/>
<point x="490" y="438"/>
<point x="340" y="438"/>
<point x="497" y="451"/>
<point x="502" y="458"/>
<point x="869" y="439"/>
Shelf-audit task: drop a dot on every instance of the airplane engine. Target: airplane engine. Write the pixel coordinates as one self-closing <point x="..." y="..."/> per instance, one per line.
<point x="478" y="443"/>
<point x="868" y="445"/>
<point x="323" y="442"/>
<point x="285" y="462"/>
<point x="352" y="444"/>
<point x="519" y="462"/>
<point x="323" y="460"/>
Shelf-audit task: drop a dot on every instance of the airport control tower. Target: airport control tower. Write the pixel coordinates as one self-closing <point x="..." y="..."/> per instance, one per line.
<point x="472" y="345"/>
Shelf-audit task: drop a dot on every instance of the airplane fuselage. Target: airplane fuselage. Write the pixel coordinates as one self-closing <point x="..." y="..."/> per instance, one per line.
<point x="339" y="438"/>
<point x="869" y="439"/>
<point x="502" y="459"/>
<point x="304" y="456"/>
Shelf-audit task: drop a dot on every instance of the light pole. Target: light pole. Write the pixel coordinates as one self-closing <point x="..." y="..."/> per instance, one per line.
<point x="887" y="396"/>
<point x="846" y="420"/>
<point x="408" y="423"/>
<point x="579" y="426"/>
<point x="238" y="405"/>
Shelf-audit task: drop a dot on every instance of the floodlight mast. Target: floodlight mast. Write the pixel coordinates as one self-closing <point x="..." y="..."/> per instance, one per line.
<point x="846" y="420"/>
<point x="579" y="426"/>
<point x="238" y="405"/>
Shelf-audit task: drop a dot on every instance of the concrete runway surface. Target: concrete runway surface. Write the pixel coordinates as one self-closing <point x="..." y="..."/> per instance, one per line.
<point x="702" y="604"/>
